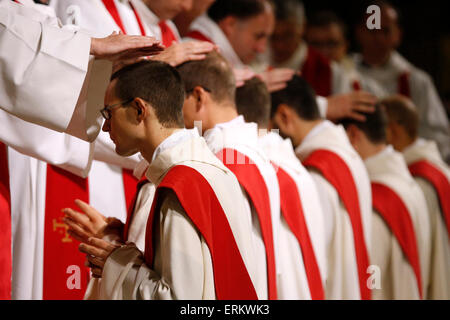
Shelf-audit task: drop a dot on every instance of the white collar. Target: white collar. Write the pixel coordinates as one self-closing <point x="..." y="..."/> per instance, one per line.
<point x="177" y="137"/>
<point x="296" y="61"/>
<point x="314" y="132"/>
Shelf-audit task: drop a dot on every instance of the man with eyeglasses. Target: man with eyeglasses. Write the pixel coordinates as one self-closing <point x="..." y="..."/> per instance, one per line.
<point x="210" y="103"/>
<point x="197" y="246"/>
<point x="326" y="33"/>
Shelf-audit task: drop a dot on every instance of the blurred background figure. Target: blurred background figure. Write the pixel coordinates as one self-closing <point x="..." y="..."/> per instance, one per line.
<point x="380" y="61"/>
<point x="327" y="33"/>
<point x="289" y="50"/>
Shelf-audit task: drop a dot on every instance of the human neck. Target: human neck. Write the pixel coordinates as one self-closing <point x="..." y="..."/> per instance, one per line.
<point x="153" y="140"/>
<point x="303" y="128"/>
<point x="222" y="113"/>
<point x="375" y="60"/>
<point x="370" y="150"/>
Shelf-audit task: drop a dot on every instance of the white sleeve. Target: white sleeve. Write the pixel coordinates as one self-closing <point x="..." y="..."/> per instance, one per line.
<point x="322" y="103"/>
<point x="340" y="81"/>
<point x="60" y="149"/>
<point x="44" y="75"/>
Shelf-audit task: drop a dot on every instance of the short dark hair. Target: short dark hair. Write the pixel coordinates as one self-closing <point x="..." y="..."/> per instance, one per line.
<point x="212" y="73"/>
<point x="290" y="10"/>
<point x="324" y="19"/>
<point x="157" y="83"/>
<point x="401" y="110"/>
<point x="374" y="127"/>
<point x="298" y="95"/>
<point x="253" y="102"/>
<point x="241" y="9"/>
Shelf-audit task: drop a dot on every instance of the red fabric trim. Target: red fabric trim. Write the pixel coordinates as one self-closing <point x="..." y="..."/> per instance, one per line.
<point x="61" y="250"/>
<point x="356" y="85"/>
<point x="112" y="9"/>
<point x="138" y="19"/>
<point x="317" y="72"/>
<point x="252" y="181"/>
<point x="5" y="226"/>
<point x="426" y="170"/>
<point x="292" y="211"/>
<point x="197" y="35"/>
<point x="167" y="35"/>
<point x="403" y="85"/>
<point x="396" y="215"/>
<point x="129" y="186"/>
<point x="132" y="205"/>
<point x="336" y="171"/>
<point x="231" y="278"/>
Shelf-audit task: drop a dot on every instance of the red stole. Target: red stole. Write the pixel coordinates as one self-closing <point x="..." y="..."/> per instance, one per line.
<point x="197" y="35"/>
<point x="131" y="206"/>
<point x="403" y="84"/>
<point x="252" y="181"/>
<point x="292" y="210"/>
<point x="63" y="263"/>
<point x="167" y="35"/>
<point x="426" y="170"/>
<point x="317" y="72"/>
<point x="396" y="215"/>
<point x="231" y="278"/>
<point x="336" y="171"/>
<point x="5" y="226"/>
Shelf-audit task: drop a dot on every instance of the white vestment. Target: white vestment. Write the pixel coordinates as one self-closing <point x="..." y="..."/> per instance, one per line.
<point x="41" y="53"/>
<point x="434" y="123"/>
<point x="293" y="282"/>
<point x="342" y="273"/>
<point x="398" y="280"/>
<point x="182" y="260"/>
<point x="28" y="187"/>
<point x="243" y="137"/>
<point x="347" y="65"/>
<point x="439" y="287"/>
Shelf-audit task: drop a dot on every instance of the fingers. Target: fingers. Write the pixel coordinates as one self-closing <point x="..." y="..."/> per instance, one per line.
<point x="357" y="116"/>
<point x="362" y="97"/>
<point x="363" y="108"/>
<point x="92" y="250"/>
<point x="102" y="244"/>
<point x="77" y="217"/>
<point x="76" y="231"/>
<point x="89" y="211"/>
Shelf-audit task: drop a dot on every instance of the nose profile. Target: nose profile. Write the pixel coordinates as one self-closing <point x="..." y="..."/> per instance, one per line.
<point x="106" y="127"/>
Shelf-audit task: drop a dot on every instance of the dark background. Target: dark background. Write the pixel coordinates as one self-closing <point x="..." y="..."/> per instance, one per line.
<point x="426" y="33"/>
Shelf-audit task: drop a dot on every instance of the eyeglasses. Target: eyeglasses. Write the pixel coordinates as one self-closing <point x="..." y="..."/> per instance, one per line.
<point x="106" y="111"/>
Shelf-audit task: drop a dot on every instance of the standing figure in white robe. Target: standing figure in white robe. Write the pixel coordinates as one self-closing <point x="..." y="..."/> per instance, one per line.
<point x="380" y="61"/>
<point x="210" y="106"/>
<point x="301" y="233"/>
<point x="401" y="235"/>
<point x="343" y="185"/>
<point x="178" y="259"/>
<point x="73" y="110"/>
<point x="433" y="176"/>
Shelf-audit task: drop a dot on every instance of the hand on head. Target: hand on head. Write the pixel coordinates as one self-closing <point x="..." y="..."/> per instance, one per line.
<point x="118" y="46"/>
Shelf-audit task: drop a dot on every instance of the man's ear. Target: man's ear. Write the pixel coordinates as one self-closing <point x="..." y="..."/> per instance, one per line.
<point x="228" y="25"/>
<point x="353" y="134"/>
<point x="200" y="96"/>
<point x="142" y="109"/>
